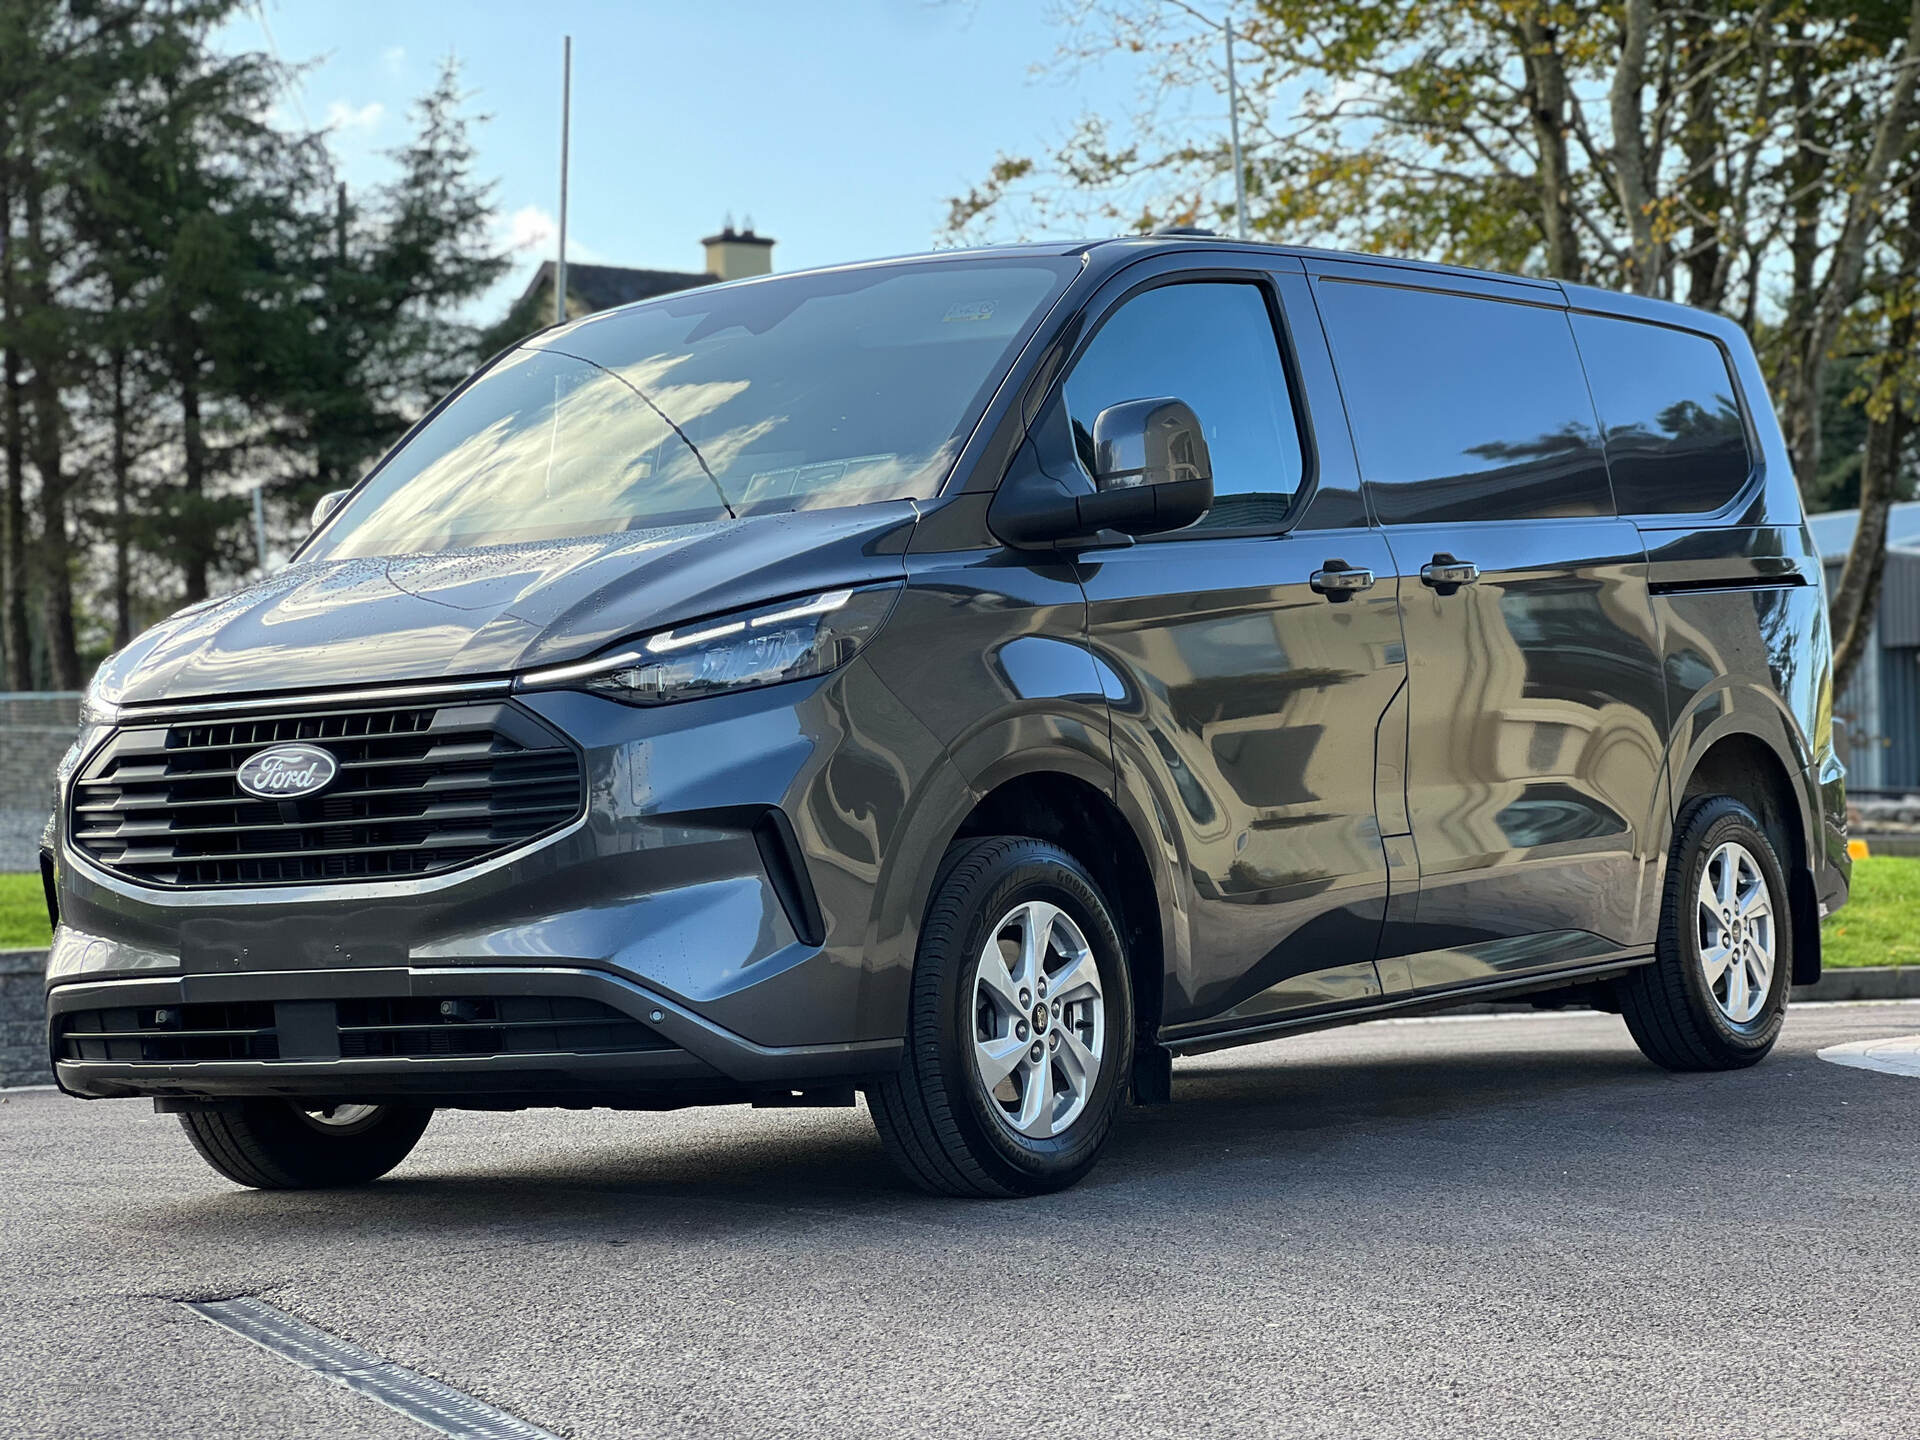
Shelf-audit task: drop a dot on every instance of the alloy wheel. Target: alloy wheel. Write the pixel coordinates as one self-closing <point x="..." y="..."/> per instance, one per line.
<point x="1736" y="932"/>
<point x="1039" y="1020"/>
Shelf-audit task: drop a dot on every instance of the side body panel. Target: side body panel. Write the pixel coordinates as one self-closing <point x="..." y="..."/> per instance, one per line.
<point x="1741" y="604"/>
<point x="1536" y="735"/>
<point x="1535" y="715"/>
<point x="1246" y="706"/>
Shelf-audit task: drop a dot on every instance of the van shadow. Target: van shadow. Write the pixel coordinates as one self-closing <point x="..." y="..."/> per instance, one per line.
<point x="1227" y="1121"/>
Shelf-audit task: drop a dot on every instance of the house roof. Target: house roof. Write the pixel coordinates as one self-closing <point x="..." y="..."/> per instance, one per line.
<point x="1833" y="531"/>
<point x="601" y="287"/>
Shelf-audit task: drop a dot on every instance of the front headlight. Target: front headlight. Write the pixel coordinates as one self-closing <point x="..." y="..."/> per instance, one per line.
<point x="95" y="711"/>
<point x="749" y="649"/>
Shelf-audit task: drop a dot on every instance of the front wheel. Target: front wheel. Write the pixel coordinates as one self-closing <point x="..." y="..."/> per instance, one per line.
<point x="278" y="1145"/>
<point x="1020" y="1036"/>
<point x="1716" y="995"/>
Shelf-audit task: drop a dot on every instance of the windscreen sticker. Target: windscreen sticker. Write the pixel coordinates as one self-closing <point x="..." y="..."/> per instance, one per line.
<point x="962" y="310"/>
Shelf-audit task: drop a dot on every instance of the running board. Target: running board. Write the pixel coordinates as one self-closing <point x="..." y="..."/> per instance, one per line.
<point x="1413" y="1002"/>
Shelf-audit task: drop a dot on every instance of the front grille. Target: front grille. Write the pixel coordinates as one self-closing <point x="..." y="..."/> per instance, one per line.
<point x="170" y="1033"/>
<point x="420" y="790"/>
<point x="487" y="1025"/>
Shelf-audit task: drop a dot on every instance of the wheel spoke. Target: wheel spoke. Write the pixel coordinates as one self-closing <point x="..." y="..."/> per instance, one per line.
<point x="1737" y="990"/>
<point x="1714" y="961"/>
<point x="1036" y="928"/>
<point x="1729" y="883"/>
<point x="996" y="980"/>
<point x="1079" y="980"/>
<point x="1036" y="1101"/>
<point x="998" y="1058"/>
<point x="1078" y="1064"/>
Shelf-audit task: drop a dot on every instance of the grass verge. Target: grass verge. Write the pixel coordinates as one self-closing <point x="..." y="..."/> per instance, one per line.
<point x="23" y="913"/>
<point x="1879" y="926"/>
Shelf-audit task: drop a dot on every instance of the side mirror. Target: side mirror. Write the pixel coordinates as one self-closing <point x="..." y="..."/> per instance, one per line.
<point x="325" y="506"/>
<point x="1151" y="470"/>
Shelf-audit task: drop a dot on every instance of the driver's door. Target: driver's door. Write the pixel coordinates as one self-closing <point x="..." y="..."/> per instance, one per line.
<point x="1256" y="651"/>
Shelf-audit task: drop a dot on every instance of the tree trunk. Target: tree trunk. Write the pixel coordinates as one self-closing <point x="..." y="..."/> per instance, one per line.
<point x="19" y="645"/>
<point x="1546" y="89"/>
<point x="14" y="640"/>
<point x="193" y="549"/>
<point x="43" y="395"/>
<point x="122" y="464"/>
<point x="1699" y="140"/>
<point x="1857" y="596"/>
<point x="1855" y="599"/>
<point x="1633" y="178"/>
<point x="1892" y="135"/>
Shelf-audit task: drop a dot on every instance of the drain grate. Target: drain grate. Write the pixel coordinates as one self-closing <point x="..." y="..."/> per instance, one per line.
<point x="438" y="1406"/>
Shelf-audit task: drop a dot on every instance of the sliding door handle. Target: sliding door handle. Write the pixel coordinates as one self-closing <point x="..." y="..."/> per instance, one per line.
<point x="1337" y="580"/>
<point x="1446" y="574"/>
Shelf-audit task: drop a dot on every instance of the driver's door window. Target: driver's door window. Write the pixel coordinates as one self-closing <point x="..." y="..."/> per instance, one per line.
<point x="1211" y="344"/>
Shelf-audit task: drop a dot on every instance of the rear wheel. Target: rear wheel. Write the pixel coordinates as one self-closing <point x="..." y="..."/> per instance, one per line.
<point x="1021" y="1030"/>
<point x="1716" y="995"/>
<point x="278" y="1145"/>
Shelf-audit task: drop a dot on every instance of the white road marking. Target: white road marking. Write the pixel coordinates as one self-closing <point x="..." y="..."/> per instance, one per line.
<point x="1898" y="1056"/>
<point x="437" y="1406"/>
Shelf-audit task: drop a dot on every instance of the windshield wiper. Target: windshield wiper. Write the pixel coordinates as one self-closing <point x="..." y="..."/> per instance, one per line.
<point x="667" y="419"/>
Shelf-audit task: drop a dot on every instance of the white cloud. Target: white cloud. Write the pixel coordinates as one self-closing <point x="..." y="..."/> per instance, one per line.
<point x="533" y="232"/>
<point x="342" y="116"/>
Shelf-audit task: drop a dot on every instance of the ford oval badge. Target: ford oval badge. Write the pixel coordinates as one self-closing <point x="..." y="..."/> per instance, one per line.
<point x="286" y="772"/>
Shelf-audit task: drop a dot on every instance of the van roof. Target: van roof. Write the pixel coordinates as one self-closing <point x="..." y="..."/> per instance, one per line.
<point x="1118" y="250"/>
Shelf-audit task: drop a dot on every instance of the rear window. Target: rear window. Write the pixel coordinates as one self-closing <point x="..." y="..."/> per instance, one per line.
<point x="1464" y="409"/>
<point x="1675" y="440"/>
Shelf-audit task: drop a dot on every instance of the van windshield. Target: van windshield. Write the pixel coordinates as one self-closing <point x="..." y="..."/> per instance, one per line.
<point x="796" y="393"/>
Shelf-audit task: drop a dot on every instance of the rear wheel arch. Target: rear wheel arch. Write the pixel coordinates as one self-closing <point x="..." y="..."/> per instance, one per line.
<point x="1744" y="765"/>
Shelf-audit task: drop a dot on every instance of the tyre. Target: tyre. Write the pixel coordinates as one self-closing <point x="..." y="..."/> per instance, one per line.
<point x="278" y="1145"/>
<point x="1716" y="994"/>
<point x="1020" y="1028"/>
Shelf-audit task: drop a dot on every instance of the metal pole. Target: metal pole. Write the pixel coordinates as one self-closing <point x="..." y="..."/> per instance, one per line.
<point x="1233" y="129"/>
<point x="260" y="527"/>
<point x="566" y="116"/>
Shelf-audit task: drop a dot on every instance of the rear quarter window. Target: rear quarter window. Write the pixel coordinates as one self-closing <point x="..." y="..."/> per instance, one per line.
<point x="1464" y="408"/>
<point x="1675" y="439"/>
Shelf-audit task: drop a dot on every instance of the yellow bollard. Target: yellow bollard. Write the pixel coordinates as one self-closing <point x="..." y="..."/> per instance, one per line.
<point x="1857" y="850"/>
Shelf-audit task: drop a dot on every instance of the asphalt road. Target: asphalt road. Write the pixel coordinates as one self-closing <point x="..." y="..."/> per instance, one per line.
<point x="1475" y="1227"/>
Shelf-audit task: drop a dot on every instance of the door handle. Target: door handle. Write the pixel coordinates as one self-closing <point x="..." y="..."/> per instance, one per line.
<point x="1338" y="580"/>
<point x="1446" y="574"/>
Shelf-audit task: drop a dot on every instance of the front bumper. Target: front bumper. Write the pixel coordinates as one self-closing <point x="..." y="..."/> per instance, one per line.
<point x="669" y="1053"/>
<point x="723" y="874"/>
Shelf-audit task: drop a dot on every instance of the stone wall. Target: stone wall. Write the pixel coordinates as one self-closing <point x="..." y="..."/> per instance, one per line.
<point x="35" y="731"/>
<point x="23" y="1018"/>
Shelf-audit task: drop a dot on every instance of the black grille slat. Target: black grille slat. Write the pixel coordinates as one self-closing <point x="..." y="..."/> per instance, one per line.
<point x="419" y="790"/>
<point x="172" y="1034"/>
<point x="502" y="1025"/>
<point x="387" y="1027"/>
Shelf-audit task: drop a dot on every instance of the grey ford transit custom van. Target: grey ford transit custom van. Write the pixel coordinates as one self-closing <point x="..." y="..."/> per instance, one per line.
<point x="970" y="680"/>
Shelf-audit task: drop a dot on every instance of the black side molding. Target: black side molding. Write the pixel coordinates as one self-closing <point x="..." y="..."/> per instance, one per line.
<point x="1788" y="580"/>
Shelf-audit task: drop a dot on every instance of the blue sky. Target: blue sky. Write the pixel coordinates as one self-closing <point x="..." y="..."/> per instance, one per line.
<point x="841" y="128"/>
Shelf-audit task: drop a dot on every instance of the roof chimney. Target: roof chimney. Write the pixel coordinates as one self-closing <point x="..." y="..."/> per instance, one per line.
<point x="736" y="254"/>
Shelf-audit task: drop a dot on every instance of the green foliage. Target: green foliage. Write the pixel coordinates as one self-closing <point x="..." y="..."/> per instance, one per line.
<point x="195" y="306"/>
